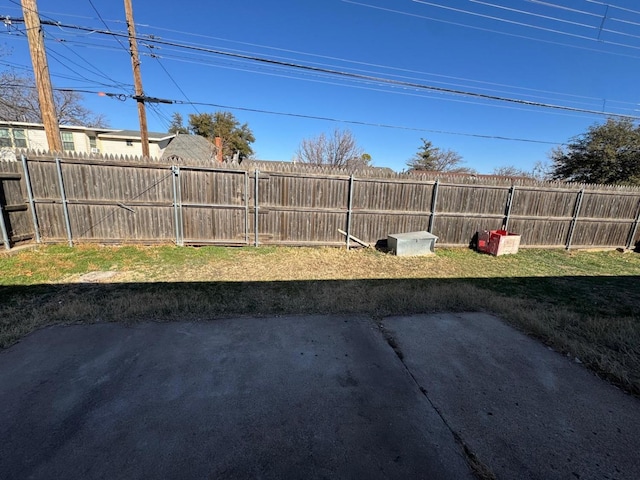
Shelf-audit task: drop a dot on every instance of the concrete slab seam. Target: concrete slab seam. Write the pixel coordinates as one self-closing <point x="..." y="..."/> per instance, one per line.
<point x="479" y="468"/>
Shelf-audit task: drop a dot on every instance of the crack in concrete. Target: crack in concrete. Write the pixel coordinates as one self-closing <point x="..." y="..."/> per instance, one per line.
<point x="479" y="469"/>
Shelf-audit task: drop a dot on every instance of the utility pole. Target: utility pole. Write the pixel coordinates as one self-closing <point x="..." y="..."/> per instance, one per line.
<point x="35" y="37"/>
<point x="137" y="79"/>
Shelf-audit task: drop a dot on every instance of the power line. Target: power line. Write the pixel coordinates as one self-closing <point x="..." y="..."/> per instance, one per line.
<point x="382" y="66"/>
<point x="524" y="12"/>
<point x="95" y="69"/>
<point x="490" y="30"/>
<point x="174" y="81"/>
<point x="600" y="101"/>
<point x="613" y="6"/>
<point x="369" y="124"/>
<point x="513" y="22"/>
<point x="562" y="7"/>
<point x="430" y="74"/>
<point x="311" y="117"/>
<point x="107" y="26"/>
<point x="357" y="76"/>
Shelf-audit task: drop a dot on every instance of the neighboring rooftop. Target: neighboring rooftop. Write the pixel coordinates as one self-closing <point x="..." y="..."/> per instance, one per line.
<point x="135" y="134"/>
<point x="192" y="149"/>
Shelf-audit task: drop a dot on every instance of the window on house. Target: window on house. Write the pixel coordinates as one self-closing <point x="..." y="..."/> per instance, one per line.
<point x="92" y="142"/>
<point x="67" y="141"/>
<point x="129" y="143"/>
<point x="19" y="138"/>
<point x="5" y="137"/>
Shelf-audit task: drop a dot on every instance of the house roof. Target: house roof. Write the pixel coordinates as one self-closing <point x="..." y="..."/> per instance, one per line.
<point x="101" y="132"/>
<point x="62" y="127"/>
<point x="191" y="147"/>
<point x="135" y="134"/>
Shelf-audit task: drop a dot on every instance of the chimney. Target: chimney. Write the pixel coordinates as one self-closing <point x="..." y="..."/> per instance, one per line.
<point x="218" y="143"/>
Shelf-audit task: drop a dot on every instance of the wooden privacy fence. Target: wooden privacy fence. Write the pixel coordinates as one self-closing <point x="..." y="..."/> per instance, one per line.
<point x="55" y="199"/>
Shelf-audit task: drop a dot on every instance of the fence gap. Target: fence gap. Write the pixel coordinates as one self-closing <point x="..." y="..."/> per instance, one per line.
<point x="634" y="228"/>
<point x="65" y="204"/>
<point x="349" y="210"/>
<point x="576" y="213"/>
<point x="507" y="210"/>
<point x="32" y="203"/>
<point x="434" y="201"/>
<point x="256" y="206"/>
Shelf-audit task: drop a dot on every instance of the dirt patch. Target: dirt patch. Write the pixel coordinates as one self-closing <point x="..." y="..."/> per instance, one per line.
<point x="97" y="277"/>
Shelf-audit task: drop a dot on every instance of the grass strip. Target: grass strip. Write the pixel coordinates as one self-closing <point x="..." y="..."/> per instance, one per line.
<point x="584" y="304"/>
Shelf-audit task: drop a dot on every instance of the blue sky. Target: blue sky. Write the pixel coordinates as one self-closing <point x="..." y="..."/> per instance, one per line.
<point x="569" y="53"/>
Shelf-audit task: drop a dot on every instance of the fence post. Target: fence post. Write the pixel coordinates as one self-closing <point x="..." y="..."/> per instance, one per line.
<point x="434" y="200"/>
<point x="634" y="228"/>
<point x="65" y="205"/>
<point x="32" y="203"/>
<point x="576" y="213"/>
<point x="3" y="228"/>
<point x="177" y="205"/>
<point x="349" y="209"/>
<point x="246" y="207"/>
<point x="255" y="201"/>
<point x="512" y="191"/>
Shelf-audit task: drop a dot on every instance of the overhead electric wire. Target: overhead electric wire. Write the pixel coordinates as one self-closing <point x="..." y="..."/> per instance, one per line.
<point x="344" y="74"/>
<point x="56" y="56"/>
<point x="370" y="124"/>
<point x="174" y="81"/>
<point x="490" y="30"/>
<point x="315" y="117"/>
<point x="107" y="26"/>
<point x="522" y="24"/>
<point x="392" y="90"/>
<point x="96" y="70"/>
<point x="393" y="68"/>
<point x="562" y="7"/>
<point x="538" y="27"/>
<point x="524" y="12"/>
<point x="613" y="6"/>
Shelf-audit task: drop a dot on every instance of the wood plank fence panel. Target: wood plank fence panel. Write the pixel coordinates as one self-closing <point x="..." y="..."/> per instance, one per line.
<point x="15" y="208"/>
<point x="543" y="233"/>
<point x="300" y="228"/>
<point x="471" y="199"/>
<point x="600" y="234"/>
<point x="609" y="206"/>
<point x="102" y="222"/>
<point x="212" y="187"/>
<point x="394" y="196"/>
<point x="213" y="225"/>
<point x="51" y="222"/>
<point x="130" y="201"/>
<point x="540" y="203"/>
<point x="121" y="185"/>
<point x="304" y="192"/>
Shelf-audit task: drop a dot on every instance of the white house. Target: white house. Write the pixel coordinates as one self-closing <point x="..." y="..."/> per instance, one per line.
<point x="107" y="141"/>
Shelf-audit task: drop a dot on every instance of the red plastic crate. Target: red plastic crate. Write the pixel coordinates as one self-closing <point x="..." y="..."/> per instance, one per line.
<point x="498" y="242"/>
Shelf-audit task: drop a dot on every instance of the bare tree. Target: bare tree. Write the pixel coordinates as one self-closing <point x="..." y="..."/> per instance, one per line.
<point x="19" y="103"/>
<point x="338" y="149"/>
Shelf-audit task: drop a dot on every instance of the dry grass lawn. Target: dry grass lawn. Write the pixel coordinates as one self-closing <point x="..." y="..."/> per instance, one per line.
<point x="584" y="304"/>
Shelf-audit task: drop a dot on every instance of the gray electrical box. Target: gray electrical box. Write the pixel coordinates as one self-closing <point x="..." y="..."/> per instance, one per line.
<point x="411" y="243"/>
